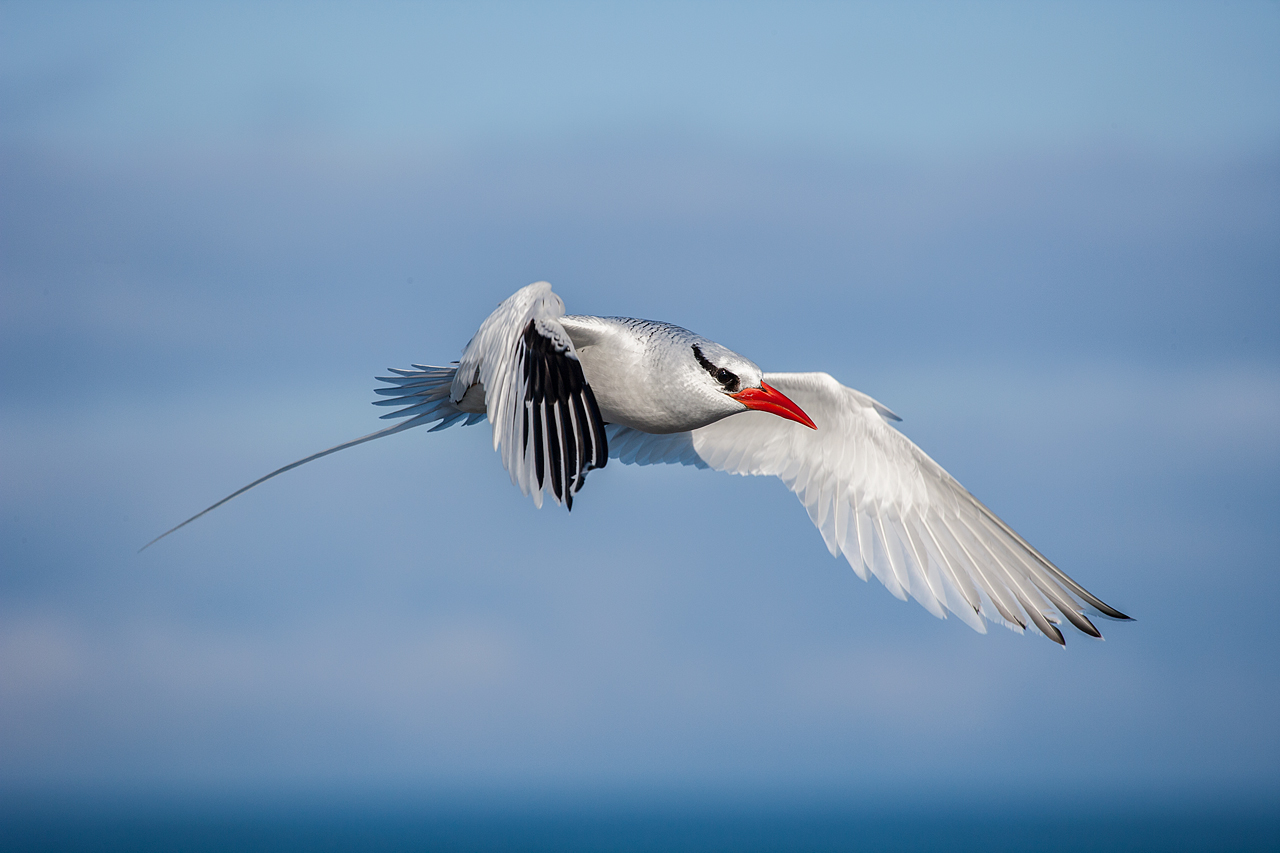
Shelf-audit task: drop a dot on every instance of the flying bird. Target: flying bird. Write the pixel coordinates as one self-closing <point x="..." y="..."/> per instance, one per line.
<point x="565" y="393"/>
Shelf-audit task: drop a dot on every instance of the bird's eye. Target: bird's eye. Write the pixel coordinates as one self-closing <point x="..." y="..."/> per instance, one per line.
<point x="727" y="378"/>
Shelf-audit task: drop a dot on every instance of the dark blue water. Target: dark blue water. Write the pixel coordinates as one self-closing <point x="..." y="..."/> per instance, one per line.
<point x="71" y="829"/>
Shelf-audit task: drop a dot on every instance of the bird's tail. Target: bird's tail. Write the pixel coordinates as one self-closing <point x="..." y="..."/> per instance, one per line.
<point x="423" y="391"/>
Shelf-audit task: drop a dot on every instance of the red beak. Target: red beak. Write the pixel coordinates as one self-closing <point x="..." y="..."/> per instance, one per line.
<point x="771" y="400"/>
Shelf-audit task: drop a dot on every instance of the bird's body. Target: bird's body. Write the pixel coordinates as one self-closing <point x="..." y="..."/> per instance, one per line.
<point x="566" y="393"/>
<point x="634" y="368"/>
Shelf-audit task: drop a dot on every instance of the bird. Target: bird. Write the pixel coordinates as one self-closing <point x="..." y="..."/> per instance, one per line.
<point x="564" y="394"/>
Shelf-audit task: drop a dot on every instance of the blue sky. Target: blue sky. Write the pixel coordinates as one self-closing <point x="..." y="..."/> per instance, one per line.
<point x="1045" y="235"/>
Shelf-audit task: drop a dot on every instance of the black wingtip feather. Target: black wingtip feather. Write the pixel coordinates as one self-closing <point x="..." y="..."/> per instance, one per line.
<point x="562" y="418"/>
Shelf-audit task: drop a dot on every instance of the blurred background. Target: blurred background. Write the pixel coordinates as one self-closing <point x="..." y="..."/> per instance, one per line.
<point x="1046" y="235"/>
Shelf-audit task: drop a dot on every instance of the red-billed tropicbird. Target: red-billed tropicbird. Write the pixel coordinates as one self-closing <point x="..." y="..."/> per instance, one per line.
<point x="566" y="393"/>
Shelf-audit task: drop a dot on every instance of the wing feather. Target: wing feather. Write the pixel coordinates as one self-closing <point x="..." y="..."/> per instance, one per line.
<point x="885" y="505"/>
<point x="546" y="423"/>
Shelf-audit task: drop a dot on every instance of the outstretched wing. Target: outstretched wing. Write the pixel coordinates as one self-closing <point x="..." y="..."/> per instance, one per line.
<point x="546" y="423"/>
<point x="885" y="505"/>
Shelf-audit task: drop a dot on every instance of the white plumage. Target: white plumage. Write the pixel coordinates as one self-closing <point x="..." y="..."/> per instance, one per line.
<point x="565" y="393"/>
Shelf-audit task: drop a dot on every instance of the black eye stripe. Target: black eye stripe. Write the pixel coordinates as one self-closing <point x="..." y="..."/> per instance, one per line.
<point x="727" y="378"/>
<point x="702" y="359"/>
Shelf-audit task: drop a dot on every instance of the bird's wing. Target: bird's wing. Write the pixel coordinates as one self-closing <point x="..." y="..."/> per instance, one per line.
<point x="546" y="423"/>
<point x="883" y="503"/>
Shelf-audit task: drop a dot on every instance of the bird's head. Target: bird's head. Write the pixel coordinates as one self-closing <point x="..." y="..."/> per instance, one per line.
<point x="739" y="384"/>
